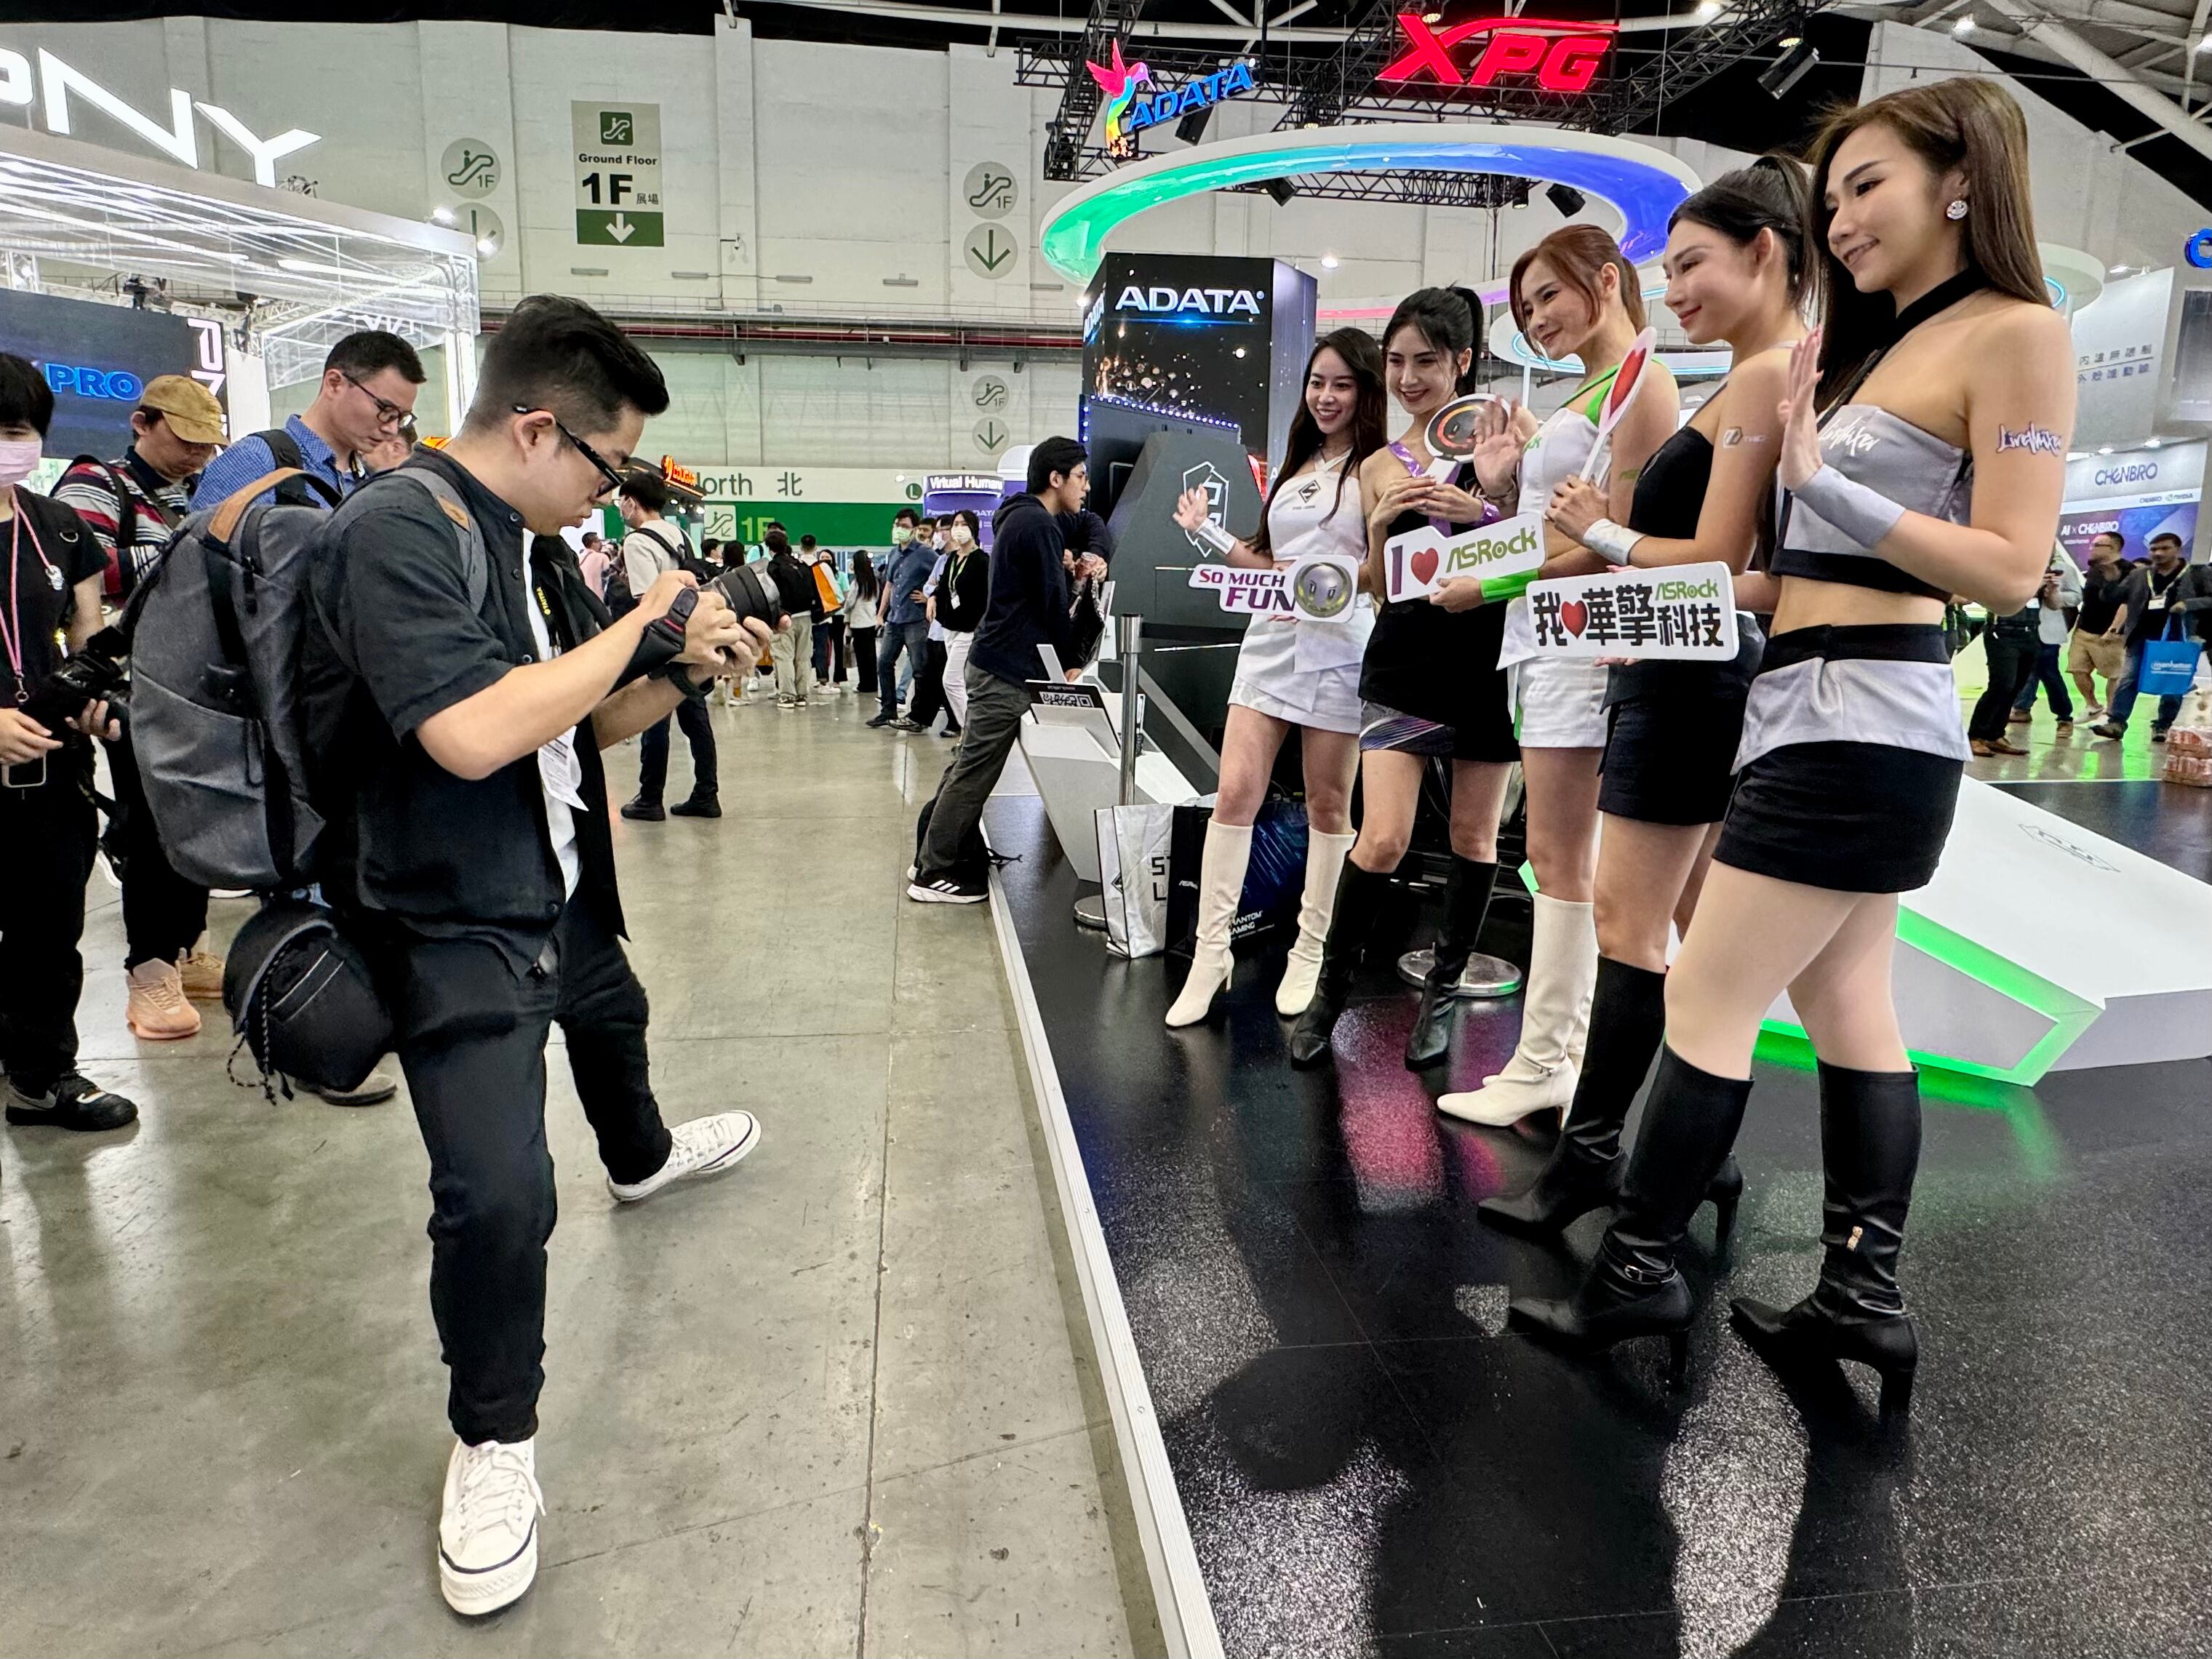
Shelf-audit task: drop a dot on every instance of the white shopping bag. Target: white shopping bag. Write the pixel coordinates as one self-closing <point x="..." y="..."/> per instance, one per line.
<point x="1134" y="844"/>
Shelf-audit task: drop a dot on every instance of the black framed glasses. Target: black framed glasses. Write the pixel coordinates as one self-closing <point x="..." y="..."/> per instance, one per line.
<point x="613" y="479"/>
<point x="387" y="412"/>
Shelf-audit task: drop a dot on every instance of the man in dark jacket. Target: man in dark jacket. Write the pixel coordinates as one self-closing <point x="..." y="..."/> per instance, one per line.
<point x="1028" y="607"/>
<point x="794" y="650"/>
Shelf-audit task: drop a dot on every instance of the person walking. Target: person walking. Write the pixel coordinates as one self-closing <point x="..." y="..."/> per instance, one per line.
<point x="962" y="598"/>
<point x="905" y="623"/>
<point x="653" y="548"/>
<point x="2100" y="641"/>
<point x="794" y="649"/>
<point x="2056" y="604"/>
<point x="2011" y="643"/>
<point x="2152" y="596"/>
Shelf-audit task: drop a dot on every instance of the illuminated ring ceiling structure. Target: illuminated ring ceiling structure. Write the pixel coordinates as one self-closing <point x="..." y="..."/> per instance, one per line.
<point x="1642" y="185"/>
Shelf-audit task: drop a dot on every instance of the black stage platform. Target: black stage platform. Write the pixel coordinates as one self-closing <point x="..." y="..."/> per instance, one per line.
<point x="1370" y="1464"/>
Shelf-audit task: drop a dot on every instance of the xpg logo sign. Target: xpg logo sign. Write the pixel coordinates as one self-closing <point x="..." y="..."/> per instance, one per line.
<point x="2037" y="832"/>
<point x="1559" y="57"/>
<point x="1206" y="476"/>
<point x="1191" y="305"/>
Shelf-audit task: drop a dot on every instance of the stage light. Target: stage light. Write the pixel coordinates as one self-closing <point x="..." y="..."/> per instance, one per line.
<point x="1963" y="27"/>
<point x="1329" y="261"/>
<point x="1282" y="190"/>
<point x="1705" y="13"/>
<point x="1565" y="198"/>
<point x="1787" y="70"/>
<point x="1192" y="127"/>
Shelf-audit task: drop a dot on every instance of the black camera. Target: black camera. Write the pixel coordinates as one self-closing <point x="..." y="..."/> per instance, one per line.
<point x="750" y="593"/>
<point x="89" y="677"/>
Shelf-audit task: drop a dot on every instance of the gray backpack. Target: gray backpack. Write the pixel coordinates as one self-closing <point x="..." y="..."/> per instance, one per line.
<point x="216" y="719"/>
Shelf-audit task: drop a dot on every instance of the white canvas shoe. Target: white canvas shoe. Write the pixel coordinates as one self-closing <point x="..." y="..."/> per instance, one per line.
<point x="704" y="1146"/>
<point x="488" y="1535"/>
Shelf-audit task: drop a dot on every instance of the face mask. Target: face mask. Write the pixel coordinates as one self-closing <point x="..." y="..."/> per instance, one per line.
<point x="938" y="541"/>
<point x="901" y="535"/>
<point x="18" y="458"/>
<point x="961" y="538"/>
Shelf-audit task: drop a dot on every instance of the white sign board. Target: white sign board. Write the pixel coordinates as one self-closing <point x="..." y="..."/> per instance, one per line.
<point x="1322" y="587"/>
<point x="1416" y="563"/>
<point x="618" y="151"/>
<point x="1675" y="613"/>
<point x="2119" y="365"/>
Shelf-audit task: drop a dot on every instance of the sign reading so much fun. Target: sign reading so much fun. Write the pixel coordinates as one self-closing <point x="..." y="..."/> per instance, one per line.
<point x="1676" y="613"/>
<point x="1321" y="587"/>
<point x="1417" y="563"/>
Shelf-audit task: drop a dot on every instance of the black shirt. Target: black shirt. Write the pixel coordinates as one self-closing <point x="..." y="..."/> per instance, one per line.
<point x="2100" y="600"/>
<point x="53" y="551"/>
<point x="393" y="640"/>
<point x="2145" y="596"/>
<point x="964" y="594"/>
<point x="1432" y="663"/>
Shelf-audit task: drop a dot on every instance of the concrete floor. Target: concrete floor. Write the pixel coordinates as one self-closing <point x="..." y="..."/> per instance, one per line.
<point x="841" y="1401"/>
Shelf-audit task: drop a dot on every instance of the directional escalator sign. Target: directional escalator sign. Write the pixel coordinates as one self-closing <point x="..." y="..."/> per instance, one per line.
<point x="617" y="149"/>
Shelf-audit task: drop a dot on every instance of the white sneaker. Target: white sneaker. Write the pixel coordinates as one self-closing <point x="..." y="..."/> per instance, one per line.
<point x="704" y="1146"/>
<point x="488" y="1536"/>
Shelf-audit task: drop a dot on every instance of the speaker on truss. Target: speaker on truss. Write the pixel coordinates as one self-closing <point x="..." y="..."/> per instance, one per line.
<point x="1565" y="198"/>
<point x="1787" y="70"/>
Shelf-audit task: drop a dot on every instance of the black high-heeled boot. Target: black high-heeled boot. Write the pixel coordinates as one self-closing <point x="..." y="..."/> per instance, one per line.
<point x="1634" y="1288"/>
<point x="1869" y="1151"/>
<point x="1466" y="902"/>
<point x="1359" y="901"/>
<point x="1628" y="1021"/>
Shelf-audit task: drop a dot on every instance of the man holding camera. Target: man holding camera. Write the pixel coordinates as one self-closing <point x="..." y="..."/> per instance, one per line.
<point x="51" y="586"/>
<point x="457" y="713"/>
<point x="133" y="505"/>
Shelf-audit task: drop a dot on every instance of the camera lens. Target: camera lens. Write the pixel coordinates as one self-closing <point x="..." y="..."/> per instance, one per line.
<point x="749" y="595"/>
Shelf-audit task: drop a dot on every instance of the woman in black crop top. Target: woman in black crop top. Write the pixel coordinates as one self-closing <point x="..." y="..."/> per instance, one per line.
<point x="1945" y="383"/>
<point x="1735" y="270"/>
<point x="1430" y="686"/>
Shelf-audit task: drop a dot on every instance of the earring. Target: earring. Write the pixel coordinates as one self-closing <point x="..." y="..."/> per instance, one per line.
<point x="1957" y="210"/>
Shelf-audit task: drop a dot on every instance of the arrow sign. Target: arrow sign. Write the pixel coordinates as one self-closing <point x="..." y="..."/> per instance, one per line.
<point x="600" y="227"/>
<point x="990" y="252"/>
<point x="620" y="228"/>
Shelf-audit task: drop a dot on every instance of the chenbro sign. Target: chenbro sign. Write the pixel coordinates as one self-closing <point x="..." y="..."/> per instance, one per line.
<point x="59" y="84"/>
<point x="1559" y="57"/>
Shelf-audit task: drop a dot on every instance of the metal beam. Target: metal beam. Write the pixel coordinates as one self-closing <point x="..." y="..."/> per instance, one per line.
<point x="2122" y="82"/>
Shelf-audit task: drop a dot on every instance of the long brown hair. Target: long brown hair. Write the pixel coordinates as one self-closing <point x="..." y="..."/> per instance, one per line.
<point x="1369" y="418"/>
<point x="1578" y="254"/>
<point x="1971" y="125"/>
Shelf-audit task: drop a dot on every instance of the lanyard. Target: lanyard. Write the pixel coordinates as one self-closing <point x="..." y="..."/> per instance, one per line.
<point x="11" y="628"/>
<point x="1441" y="527"/>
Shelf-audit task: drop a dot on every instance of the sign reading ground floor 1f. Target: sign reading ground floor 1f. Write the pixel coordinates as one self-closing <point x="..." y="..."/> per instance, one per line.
<point x="617" y="149"/>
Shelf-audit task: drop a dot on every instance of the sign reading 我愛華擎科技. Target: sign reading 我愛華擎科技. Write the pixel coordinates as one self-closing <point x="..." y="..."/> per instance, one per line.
<point x="1674" y="613"/>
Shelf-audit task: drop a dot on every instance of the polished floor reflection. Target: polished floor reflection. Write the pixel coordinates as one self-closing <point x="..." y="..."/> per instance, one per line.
<point x="1370" y="1464"/>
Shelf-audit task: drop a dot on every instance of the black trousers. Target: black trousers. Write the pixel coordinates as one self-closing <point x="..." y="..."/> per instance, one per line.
<point x="928" y="686"/>
<point x="48" y="836"/>
<point x="471" y="1040"/>
<point x="163" y="914"/>
<point x="864" y="657"/>
<point x="2012" y="665"/>
<point x="653" y="757"/>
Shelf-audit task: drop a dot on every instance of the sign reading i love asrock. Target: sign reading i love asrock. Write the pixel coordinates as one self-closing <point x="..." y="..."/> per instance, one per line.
<point x="1675" y="613"/>
<point x="1415" y="564"/>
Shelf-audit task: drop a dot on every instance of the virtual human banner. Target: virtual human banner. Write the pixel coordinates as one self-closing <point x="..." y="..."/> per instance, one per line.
<point x="1322" y="587"/>
<point x="1415" y="564"/>
<point x="1678" y="613"/>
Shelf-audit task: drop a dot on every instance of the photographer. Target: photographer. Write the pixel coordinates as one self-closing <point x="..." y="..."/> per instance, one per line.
<point x="653" y="548"/>
<point x="458" y="734"/>
<point x="133" y="505"/>
<point x="47" y="830"/>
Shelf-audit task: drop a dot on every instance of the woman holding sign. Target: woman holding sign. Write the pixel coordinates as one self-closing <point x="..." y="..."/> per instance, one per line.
<point x="1293" y="675"/>
<point x="1430" y="684"/>
<point x="1923" y="447"/>
<point x="1735" y="274"/>
<point x="1574" y="295"/>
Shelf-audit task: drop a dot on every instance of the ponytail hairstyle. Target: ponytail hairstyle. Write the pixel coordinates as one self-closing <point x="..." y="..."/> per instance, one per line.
<point x="1578" y="254"/>
<point x="1771" y="195"/>
<point x="1969" y="125"/>
<point x="1363" y="355"/>
<point x="1448" y="319"/>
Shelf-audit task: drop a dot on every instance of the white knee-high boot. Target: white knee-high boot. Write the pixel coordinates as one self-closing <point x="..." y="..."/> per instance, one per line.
<point x="1220" y="884"/>
<point x="1555" y="1014"/>
<point x="1325" y="856"/>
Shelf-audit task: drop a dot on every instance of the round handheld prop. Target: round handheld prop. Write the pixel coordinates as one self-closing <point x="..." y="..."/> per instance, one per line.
<point x="1453" y="430"/>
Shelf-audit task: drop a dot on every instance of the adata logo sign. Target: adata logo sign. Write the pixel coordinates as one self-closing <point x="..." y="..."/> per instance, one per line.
<point x="1194" y="307"/>
<point x="1559" y="57"/>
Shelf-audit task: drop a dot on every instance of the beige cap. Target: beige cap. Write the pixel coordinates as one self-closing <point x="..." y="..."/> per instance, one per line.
<point x="191" y="409"/>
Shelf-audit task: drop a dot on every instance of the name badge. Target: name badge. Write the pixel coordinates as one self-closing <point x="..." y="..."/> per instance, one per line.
<point x="561" y="772"/>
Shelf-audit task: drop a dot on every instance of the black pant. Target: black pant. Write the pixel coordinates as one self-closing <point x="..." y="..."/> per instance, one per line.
<point x="163" y="914"/>
<point x="471" y="1040"/>
<point x="995" y="708"/>
<point x="2048" y="672"/>
<point x="2012" y="662"/>
<point x="830" y="650"/>
<point x="928" y="686"/>
<point x="653" y="758"/>
<point x="864" y="657"/>
<point x="47" y="838"/>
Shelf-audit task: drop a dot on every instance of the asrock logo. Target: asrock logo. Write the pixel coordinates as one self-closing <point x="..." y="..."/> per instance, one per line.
<point x="1207" y="477"/>
<point x="1197" y="305"/>
<point x="1560" y="57"/>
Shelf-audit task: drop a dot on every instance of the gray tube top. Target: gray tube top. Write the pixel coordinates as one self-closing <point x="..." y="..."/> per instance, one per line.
<point x="1889" y="454"/>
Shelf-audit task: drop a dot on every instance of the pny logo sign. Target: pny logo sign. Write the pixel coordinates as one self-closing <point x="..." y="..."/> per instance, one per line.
<point x="1560" y="57"/>
<point x="56" y="84"/>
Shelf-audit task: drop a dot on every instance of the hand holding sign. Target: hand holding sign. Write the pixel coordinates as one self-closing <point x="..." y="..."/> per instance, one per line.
<point x="1456" y="430"/>
<point x="1322" y="587"/>
<point x="1674" y="613"/>
<point x="1416" y="562"/>
<point x="1627" y="380"/>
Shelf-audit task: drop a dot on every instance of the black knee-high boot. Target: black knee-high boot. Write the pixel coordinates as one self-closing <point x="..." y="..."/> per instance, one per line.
<point x="1869" y="1151"/>
<point x="1359" y="901"/>
<point x="1634" y="1288"/>
<point x="1628" y="1021"/>
<point x="1466" y="902"/>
